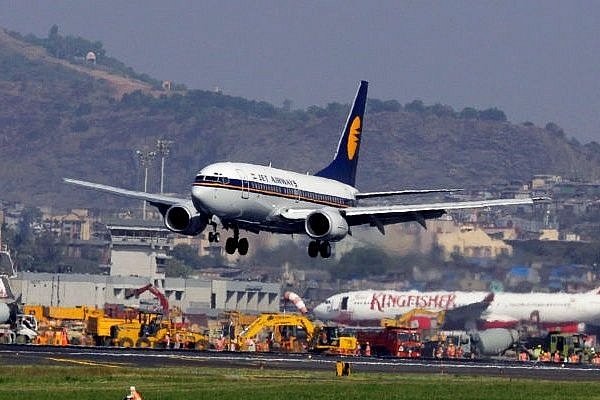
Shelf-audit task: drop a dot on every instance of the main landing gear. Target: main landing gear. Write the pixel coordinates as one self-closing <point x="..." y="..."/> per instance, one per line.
<point x="231" y="244"/>
<point x="235" y="243"/>
<point x="316" y="247"/>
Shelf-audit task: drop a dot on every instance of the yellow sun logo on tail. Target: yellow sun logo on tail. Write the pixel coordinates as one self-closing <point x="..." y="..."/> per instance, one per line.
<point x="354" y="137"/>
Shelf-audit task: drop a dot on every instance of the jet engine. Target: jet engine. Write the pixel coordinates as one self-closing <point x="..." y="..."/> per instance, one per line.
<point x="326" y="224"/>
<point x="181" y="219"/>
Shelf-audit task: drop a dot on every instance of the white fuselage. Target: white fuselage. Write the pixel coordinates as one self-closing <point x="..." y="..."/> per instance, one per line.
<point x="505" y="308"/>
<point x="370" y="305"/>
<point x="545" y="307"/>
<point x="256" y="194"/>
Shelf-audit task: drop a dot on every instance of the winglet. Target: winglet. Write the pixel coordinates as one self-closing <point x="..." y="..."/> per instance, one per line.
<point x="343" y="166"/>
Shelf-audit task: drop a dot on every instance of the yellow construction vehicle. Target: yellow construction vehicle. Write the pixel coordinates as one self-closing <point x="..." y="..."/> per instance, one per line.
<point x="102" y="329"/>
<point x="292" y="333"/>
<point x="153" y="331"/>
<point x="228" y="327"/>
<point x="276" y="332"/>
<point x="416" y="319"/>
<point x="332" y="340"/>
<point x="52" y="319"/>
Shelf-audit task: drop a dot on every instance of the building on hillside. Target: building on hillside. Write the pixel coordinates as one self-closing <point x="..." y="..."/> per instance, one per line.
<point x="75" y="225"/>
<point x="471" y="242"/>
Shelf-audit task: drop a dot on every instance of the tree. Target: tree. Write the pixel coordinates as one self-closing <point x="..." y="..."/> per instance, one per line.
<point x="186" y="254"/>
<point x="492" y="114"/>
<point x="29" y="218"/>
<point x="177" y="269"/>
<point x="415" y="106"/>
<point x="468" y="113"/>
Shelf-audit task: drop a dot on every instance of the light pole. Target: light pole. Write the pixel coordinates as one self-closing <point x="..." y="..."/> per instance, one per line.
<point x="163" y="149"/>
<point x="145" y="158"/>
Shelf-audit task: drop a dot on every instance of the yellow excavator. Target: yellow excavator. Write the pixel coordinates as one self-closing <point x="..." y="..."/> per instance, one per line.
<point x="293" y="333"/>
<point x="158" y="330"/>
<point x="152" y="330"/>
<point x="416" y="318"/>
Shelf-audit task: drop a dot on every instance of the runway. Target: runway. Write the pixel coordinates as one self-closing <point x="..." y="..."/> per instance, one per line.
<point x="115" y="358"/>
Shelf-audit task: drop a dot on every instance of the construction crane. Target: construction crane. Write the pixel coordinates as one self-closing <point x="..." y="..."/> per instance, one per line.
<point x="164" y="303"/>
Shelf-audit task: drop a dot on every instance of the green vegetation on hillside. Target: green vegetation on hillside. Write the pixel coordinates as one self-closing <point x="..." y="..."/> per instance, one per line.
<point x="58" y="121"/>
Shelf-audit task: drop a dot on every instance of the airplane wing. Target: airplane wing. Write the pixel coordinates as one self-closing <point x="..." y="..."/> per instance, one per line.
<point x="157" y="200"/>
<point x="367" y="195"/>
<point x="391" y="214"/>
<point x="459" y="317"/>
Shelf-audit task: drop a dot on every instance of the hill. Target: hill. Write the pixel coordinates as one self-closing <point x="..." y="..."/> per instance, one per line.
<point x="61" y="116"/>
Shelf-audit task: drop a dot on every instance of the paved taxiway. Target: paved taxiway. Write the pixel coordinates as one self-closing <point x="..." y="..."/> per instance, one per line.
<point x="143" y="358"/>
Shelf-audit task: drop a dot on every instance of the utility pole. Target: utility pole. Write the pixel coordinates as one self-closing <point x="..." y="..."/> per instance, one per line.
<point x="145" y="158"/>
<point x="163" y="147"/>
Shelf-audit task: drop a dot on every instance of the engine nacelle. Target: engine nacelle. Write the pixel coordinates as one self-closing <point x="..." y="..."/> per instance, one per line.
<point x="326" y="224"/>
<point x="5" y="313"/>
<point x="181" y="219"/>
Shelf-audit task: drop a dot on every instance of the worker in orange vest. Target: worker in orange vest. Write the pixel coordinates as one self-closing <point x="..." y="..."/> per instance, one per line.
<point x="64" y="338"/>
<point x="556" y="356"/>
<point x="459" y="352"/>
<point x="367" y="350"/>
<point x="134" y="394"/>
<point x="451" y="350"/>
<point x="523" y="355"/>
<point x="57" y="337"/>
<point x="574" y="358"/>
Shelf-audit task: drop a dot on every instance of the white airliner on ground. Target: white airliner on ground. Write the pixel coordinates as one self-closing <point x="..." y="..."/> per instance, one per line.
<point x="257" y="198"/>
<point x="368" y="307"/>
<point x="488" y="310"/>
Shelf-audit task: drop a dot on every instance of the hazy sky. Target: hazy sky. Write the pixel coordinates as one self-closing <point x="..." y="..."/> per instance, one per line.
<point x="537" y="61"/>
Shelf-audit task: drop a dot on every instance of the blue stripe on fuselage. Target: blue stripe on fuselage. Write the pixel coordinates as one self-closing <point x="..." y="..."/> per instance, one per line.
<point x="279" y="191"/>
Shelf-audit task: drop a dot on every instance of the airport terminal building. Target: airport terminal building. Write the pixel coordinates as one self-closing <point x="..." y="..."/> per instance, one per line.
<point x="137" y="257"/>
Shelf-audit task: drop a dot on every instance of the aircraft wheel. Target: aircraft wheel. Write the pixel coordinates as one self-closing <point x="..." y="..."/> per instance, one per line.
<point x="243" y="246"/>
<point x="217" y="237"/>
<point x="230" y="245"/>
<point x="313" y="249"/>
<point x="325" y="250"/>
<point x="211" y="237"/>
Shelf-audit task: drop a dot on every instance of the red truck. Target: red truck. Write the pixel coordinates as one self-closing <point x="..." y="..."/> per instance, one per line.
<point x="390" y="341"/>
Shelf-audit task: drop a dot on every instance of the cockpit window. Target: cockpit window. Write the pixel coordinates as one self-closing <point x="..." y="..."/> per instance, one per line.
<point x="207" y="178"/>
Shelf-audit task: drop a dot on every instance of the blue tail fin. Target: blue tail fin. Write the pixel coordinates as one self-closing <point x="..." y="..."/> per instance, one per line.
<point x="343" y="166"/>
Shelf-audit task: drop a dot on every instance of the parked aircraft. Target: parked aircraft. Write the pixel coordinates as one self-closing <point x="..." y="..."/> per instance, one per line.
<point x="369" y="307"/>
<point x="568" y="312"/>
<point x="486" y="309"/>
<point x="256" y="198"/>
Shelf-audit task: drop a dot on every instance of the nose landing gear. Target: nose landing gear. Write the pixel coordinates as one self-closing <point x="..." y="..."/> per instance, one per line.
<point x="214" y="237"/>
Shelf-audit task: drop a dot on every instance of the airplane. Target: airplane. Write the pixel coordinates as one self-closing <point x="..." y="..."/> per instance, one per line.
<point x="369" y="307"/>
<point x="324" y="206"/>
<point x="565" y="311"/>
